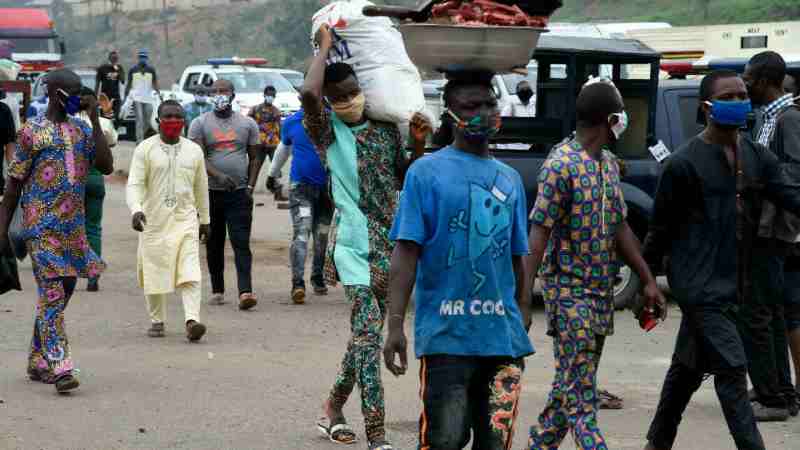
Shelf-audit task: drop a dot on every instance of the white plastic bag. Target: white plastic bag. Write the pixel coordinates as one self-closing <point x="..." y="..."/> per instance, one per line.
<point x="126" y="108"/>
<point x="154" y="115"/>
<point x="9" y="70"/>
<point x="15" y="230"/>
<point x="374" y="48"/>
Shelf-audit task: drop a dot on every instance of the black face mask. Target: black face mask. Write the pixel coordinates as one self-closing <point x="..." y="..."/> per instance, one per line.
<point x="525" y="95"/>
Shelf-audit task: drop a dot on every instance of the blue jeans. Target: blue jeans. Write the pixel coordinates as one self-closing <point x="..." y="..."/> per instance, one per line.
<point x="311" y="211"/>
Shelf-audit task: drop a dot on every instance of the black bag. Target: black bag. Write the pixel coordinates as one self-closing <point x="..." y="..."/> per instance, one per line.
<point x="9" y="275"/>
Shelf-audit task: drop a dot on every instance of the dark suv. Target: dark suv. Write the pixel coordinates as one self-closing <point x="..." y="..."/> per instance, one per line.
<point x="659" y="111"/>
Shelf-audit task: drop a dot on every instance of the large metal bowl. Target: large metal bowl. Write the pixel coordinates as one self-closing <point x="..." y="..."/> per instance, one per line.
<point x="450" y="48"/>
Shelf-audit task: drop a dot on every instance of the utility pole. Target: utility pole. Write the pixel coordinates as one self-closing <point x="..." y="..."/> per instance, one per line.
<point x="166" y="26"/>
<point x="166" y="19"/>
<point x="115" y="10"/>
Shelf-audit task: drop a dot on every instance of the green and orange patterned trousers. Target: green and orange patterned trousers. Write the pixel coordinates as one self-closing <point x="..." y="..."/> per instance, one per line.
<point x="362" y="361"/>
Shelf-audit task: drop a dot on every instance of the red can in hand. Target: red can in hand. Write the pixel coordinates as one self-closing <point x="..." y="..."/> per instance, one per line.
<point x="648" y="320"/>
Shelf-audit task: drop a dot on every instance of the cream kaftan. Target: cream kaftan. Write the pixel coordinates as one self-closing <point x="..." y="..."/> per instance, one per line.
<point x="168" y="183"/>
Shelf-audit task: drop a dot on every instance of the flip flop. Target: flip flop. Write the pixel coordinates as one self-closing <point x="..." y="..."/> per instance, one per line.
<point x="339" y="433"/>
<point x="609" y="400"/>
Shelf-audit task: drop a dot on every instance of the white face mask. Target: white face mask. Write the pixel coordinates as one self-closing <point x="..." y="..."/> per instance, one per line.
<point x="621" y="126"/>
<point x="269" y="99"/>
<point x="201" y="99"/>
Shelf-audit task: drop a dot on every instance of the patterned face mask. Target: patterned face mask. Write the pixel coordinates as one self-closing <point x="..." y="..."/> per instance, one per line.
<point x="221" y="102"/>
<point x="478" y="128"/>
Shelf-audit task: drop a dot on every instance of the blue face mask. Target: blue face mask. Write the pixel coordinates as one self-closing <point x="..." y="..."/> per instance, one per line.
<point x="71" y="103"/>
<point x="731" y="113"/>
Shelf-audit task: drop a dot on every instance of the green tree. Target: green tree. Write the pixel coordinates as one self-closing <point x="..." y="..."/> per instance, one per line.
<point x="291" y="31"/>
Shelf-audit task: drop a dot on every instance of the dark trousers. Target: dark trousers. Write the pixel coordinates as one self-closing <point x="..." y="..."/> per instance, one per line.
<point x="2" y="163"/>
<point x="231" y="214"/>
<point x="116" y="105"/>
<point x="708" y="343"/>
<point x="791" y="296"/>
<point x="462" y="394"/>
<point x="95" y="195"/>
<point x="311" y="212"/>
<point x="763" y="328"/>
<point x="791" y="293"/>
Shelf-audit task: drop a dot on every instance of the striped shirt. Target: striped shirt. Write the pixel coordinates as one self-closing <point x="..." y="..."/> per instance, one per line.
<point x="770" y="114"/>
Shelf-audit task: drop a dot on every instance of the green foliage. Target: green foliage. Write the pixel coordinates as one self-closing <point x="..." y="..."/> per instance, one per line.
<point x="680" y="12"/>
<point x="280" y="30"/>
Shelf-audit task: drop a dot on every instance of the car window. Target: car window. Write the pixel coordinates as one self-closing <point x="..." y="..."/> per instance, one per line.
<point x="295" y="79"/>
<point x="191" y="81"/>
<point x="633" y="143"/>
<point x="255" y="82"/>
<point x="87" y="79"/>
<point x="511" y="80"/>
<point x="688" y="110"/>
<point x="38" y="88"/>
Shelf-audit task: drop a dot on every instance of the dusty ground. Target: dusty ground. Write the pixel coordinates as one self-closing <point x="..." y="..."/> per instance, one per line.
<point x="258" y="379"/>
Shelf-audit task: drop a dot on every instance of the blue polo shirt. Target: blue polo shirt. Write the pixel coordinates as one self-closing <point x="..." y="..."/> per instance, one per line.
<point x="306" y="166"/>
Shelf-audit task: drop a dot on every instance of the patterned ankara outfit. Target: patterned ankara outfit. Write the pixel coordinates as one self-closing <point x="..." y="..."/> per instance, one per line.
<point x="52" y="161"/>
<point x="364" y="163"/>
<point x="581" y="201"/>
<point x="268" y="118"/>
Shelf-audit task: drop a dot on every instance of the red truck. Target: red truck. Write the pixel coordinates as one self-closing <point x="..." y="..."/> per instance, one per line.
<point x="35" y="43"/>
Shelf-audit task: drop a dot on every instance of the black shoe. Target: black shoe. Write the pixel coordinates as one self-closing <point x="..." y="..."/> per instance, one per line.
<point x="319" y="287"/>
<point x="195" y="330"/>
<point x="769" y="414"/>
<point x="794" y="408"/>
<point x="66" y="383"/>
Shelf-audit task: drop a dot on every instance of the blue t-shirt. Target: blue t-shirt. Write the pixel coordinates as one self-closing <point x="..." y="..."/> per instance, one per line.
<point x="469" y="215"/>
<point x="306" y="166"/>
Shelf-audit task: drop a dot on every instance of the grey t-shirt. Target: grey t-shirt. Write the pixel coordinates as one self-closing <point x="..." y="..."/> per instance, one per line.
<point x="225" y="143"/>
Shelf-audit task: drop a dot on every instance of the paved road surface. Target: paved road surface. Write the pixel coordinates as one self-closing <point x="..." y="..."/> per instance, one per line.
<point x="257" y="381"/>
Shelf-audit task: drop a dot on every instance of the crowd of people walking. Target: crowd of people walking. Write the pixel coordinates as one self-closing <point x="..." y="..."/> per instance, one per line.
<point x="452" y="225"/>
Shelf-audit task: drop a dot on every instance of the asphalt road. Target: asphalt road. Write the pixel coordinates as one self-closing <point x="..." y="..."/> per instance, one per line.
<point x="257" y="381"/>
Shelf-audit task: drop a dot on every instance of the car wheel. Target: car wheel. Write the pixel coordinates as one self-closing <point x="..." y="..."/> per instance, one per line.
<point x="626" y="286"/>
